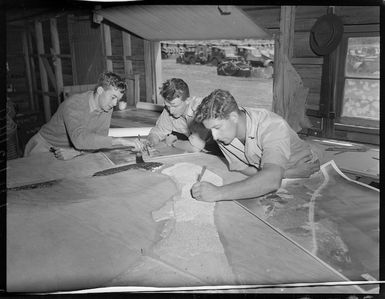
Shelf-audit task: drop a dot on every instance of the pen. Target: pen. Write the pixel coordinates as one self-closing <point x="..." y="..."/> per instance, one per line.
<point x="202" y="173"/>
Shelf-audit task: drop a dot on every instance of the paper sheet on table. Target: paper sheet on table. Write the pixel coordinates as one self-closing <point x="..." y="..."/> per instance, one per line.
<point x="129" y="132"/>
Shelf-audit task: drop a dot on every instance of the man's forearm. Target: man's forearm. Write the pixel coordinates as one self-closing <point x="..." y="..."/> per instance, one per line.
<point x="267" y="180"/>
<point x="249" y="171"/>
<point x="186" y="146"/>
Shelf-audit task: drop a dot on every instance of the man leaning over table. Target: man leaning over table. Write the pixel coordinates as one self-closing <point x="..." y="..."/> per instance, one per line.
<point x="176" y="125"/>
<point x="255" y="142"/>
<point x="82" y="121"/>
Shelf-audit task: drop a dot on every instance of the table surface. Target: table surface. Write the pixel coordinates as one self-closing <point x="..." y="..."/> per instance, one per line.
<point x="259" y="253"/>
<point x="359" y="164"/>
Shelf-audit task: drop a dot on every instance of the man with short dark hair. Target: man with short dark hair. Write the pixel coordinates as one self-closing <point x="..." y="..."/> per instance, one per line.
<point x="176" y="125"/>
<point x="82" y="122"/>
<point x="255" y="142"/>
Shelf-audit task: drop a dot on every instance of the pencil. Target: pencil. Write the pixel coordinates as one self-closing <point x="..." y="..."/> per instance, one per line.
<point x="202" y="173"/>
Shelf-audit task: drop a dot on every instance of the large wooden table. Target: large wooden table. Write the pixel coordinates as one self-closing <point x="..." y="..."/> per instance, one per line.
<point x="258" y="253"/>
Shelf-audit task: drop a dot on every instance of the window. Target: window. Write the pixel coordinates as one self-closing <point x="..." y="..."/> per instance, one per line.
<point x="198" y="63"/>
<point x="358" y="100"/>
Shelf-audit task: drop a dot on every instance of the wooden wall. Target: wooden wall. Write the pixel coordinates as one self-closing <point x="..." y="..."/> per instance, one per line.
<point x="74" y="54"/>
<point x="17" y="82"/>
<point x="308" y="65"/>
<point x="81" y="56"/>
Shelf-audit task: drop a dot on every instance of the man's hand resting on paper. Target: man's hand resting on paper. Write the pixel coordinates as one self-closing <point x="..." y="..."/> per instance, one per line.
<point x="65" y="153"/>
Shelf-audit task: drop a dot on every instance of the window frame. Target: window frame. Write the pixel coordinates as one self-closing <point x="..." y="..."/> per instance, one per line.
<point x="345" y="123"/>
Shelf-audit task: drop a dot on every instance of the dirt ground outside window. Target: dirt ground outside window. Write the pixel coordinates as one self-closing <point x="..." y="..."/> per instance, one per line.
<point x="203" y="79"/>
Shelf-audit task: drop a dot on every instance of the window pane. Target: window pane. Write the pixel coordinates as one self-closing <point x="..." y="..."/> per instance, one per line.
<point x="363" y="57"/>
<point x="361" y="99"/>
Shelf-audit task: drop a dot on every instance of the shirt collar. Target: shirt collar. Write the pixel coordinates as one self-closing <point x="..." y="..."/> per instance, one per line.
<point x="250" y="124"/>
<point x="92" y="103"/>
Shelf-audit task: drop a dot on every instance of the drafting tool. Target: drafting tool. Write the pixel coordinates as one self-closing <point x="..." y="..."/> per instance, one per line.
<point x="35" y="185"/>
<point x="139" y="157"/>
<point x="202" y="173"/>
<point x="342" y="149"/>
<point x="145" y="166"/>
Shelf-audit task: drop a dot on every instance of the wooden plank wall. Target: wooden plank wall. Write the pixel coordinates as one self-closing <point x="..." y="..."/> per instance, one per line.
<point x="136" y="58"/>
<point x="17" y="79"/>
<point x="77" y="44"/>
<point x="308" y="64"/>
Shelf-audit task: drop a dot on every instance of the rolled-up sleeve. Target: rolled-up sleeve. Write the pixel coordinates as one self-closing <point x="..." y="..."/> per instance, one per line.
<point x="276" y="144"/>
<point x="163" y="126"/>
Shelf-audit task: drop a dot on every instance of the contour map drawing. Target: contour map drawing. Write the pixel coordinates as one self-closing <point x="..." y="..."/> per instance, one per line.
<point x="333" y="217"/>
<point x="190" y="239"/>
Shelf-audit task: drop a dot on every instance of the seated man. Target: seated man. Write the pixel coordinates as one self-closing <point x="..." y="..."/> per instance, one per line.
<point x="256" y="142"/>
<point x="176" y="123"/>
<point x="82" y="122"/>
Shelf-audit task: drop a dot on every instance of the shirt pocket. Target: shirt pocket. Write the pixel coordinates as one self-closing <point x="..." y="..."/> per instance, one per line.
<point x="254" y="160"/>
<point x="253" y="154"/>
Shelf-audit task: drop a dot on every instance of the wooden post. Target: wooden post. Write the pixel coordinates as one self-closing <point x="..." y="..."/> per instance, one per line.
<point x="56" y="59"/>
<point x="127" y="63"/>
<point x="70" y="21"/>
<point x="35" y="105"/>
<point x="157" y="55"/>
<point x="127" y="52"/>
<point x="327" y="104"/>
<point x="43" y="73"/>
<point x="287" y="23"/>
<point x="28" y="69"/>
<point x="148" y="71"/>
<point x="107" y="47"/>
<point x="284" y="46"/>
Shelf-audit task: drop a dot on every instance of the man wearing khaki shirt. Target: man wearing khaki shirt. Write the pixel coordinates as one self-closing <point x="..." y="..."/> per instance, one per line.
<point x="176" y="125"/>
<point x="255" y="142"/>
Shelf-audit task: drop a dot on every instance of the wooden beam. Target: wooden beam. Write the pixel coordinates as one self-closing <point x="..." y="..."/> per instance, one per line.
<point x="127" y="51"/>
<point x="28" y="68"/>
<point x="70" y="21"/>
<point x="56" y="59"/>
<point x="107" y="46"/>
<point x="35" y="105"/>
<point x="136" y="88"/>
<point x="283" y="47"/>
<point x="287" y="30"/>
<point x="148" y="72"/>
<point x="133" y="87"/>
<point x="327" y="93"/>
<point x="157" y="62"/>
<point x="43" y="74"/>
<point x="49" y="71"/>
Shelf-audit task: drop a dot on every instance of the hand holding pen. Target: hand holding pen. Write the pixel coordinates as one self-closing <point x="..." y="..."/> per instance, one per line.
<point x="205" y="191"/>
